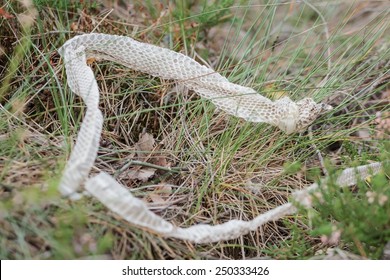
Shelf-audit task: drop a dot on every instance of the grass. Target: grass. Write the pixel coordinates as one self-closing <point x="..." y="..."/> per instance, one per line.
<point x="230" y="168"/>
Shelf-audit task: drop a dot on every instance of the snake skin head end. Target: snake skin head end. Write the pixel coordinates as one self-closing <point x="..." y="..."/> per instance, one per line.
<point x="297" y="116"/>
<point x="309" y="111"/>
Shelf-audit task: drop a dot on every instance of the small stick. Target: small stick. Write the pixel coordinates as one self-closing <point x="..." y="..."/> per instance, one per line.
<point x="318" y="152"/>
<point x="150" y="165"/>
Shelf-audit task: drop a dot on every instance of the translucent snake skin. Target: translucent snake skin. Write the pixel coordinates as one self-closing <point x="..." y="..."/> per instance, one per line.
<point x="239" y="101"/>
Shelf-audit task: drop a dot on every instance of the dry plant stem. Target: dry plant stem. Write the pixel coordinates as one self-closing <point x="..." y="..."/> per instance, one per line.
<point x="322" y="162"/>
<point x="234" y="99"/>
<point x="103" y="18"/>
<point x="119" y="200"/>
<point x="147" y="164"/>
<point x="329" y="52"/>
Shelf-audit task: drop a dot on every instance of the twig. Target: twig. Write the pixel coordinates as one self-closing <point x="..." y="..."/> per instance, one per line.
<point x="151" y="165"/>
<point x="98" y="24"/>
<point x="322" y="163"/>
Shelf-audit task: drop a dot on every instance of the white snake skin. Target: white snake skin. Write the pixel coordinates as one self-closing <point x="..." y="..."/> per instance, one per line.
<point x="234" y="99"/>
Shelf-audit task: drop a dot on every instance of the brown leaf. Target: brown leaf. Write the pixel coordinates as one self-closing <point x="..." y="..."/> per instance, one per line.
<point x="145" y="145"/>
<point x="164" y="189"/>
<point x="156" y="198"/>
<point x="141" y="174"/>
<point x="161" y="193"/>
<point x="4" y="14"/>
<point x="74" y="26"/>
<point x="161" y="161"/>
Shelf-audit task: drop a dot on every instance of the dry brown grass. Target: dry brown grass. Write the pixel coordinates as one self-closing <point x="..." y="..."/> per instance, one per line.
<point x="229" y="169"/>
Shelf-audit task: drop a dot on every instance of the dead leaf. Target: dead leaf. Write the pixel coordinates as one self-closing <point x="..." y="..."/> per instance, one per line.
<point x="74" y="26"/>
<point x="147" y="151"/>
<point x="161" y="193"/>
<point x="4" y="14"/>
<point x="141" y="174"/>
<point x="156" y="198"/>
<point x="164" y="189"/>
<point x="145" y="145"/>
<point x="161" y="160"/>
